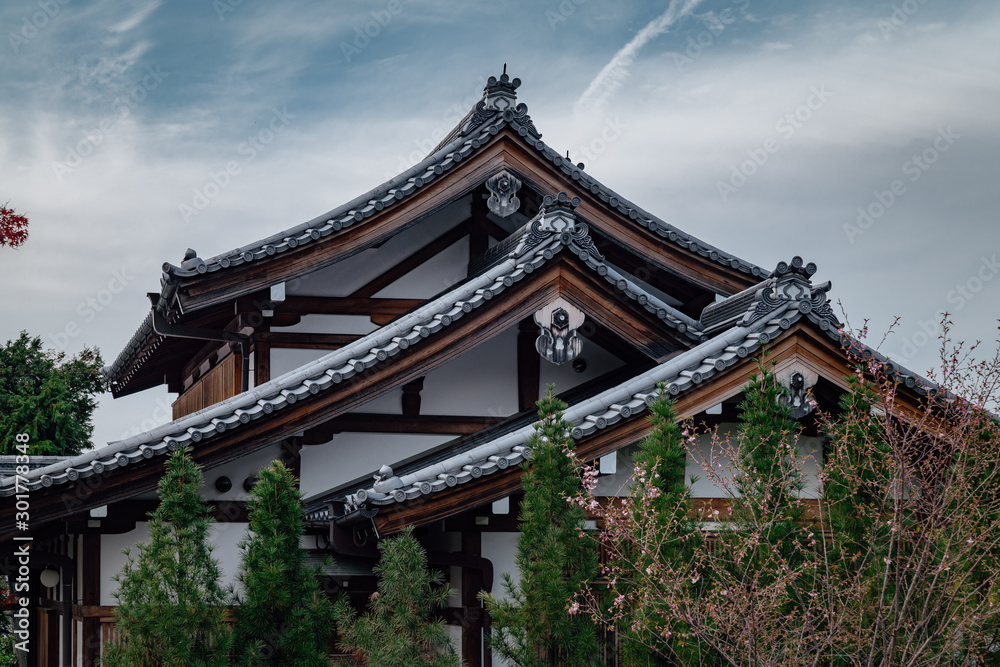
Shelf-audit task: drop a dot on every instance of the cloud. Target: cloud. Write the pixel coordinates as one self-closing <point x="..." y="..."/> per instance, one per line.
<point x="775" y="46"/>
<point x="614" y="74"/>
<point x="135" y="19"/>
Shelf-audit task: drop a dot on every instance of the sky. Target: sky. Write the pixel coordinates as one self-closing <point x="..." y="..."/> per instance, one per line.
<point x="860" y="135"/>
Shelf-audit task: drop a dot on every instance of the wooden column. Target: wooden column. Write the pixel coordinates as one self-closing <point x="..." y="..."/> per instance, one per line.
<point x="91" y="596"/>
<point x="472" y="621"/>
<point x="528" y="364"/>
<point x="411" y="397"/>
<point x="479" y="236"/>
<point x="291" y="455"/>
<point x="261" y="362"/>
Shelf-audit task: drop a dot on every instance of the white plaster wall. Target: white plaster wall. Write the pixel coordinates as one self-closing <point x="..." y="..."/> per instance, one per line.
<point x="284" y="360"/>
<point x="224" y="537"/>
<point x="389" y="403"/>
<point x="112" y="558"/>
<point x="501" y="548"/>
<point x="346" y="276"/>
<point x="599" y="361"/>
<point x="483" y="381"/>
<point x="352" y="455"/>
<point x="433" y="276"/>
<point x="237" y="471"/>
<point x="810" y="448"/>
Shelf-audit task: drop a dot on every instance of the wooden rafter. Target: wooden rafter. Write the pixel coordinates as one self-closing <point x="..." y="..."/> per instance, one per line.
<point x="438" y="245"/>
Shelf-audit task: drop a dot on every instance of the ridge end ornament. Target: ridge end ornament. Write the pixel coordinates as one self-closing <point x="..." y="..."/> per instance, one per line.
<point x="503" y="189"/>
<point x="558" y="340"/>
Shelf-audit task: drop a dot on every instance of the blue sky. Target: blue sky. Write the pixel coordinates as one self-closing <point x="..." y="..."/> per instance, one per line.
<point x="862" y="136"/>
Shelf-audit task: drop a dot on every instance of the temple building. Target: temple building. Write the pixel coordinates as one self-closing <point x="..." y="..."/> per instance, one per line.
<point x="391" y="352"/>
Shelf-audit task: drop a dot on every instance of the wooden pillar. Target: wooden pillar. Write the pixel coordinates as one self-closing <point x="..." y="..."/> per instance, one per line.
<point x="291" y="455"/>
<point x="91" y="596"/>
<point x="411" y="397"/>
<point x="479" y="236"/>
<point x="472" y="621"/>
<point x="261" y="362"/>
<point x="528" y="364"/>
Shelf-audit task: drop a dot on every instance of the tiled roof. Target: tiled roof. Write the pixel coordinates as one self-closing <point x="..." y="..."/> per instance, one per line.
<point x="474" y="131"/>
<point x="780" y="301"/>
<point x="538" y="246"/>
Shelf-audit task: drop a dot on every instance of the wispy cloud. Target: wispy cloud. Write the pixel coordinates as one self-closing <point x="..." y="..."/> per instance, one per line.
<point x="614" y="74"/>
<point x="135" y="19"/>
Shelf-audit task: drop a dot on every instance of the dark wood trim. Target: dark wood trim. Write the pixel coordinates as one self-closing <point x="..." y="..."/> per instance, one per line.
<point x="528" y="364"/>
<point x="305" y="341"/>
<point x="427" y="252"/>
<point x="91" y="595"/>
<point x="411" y="397"/>
<point x="479" y="236"/>
<point x="363" y="422"/>
<point x="262" y="361"/>
<point x="472" y="608"/>
<point x="382" y="311"/>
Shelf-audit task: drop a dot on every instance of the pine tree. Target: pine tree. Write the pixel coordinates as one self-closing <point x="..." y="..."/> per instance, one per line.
<point x="659" y="505"/>
<point x="399" y="629"/>
<point x="534" y="626"/>
<point x="769" y="478"/>
<point x="171" y="604"/>
<point x="284" y="618"/>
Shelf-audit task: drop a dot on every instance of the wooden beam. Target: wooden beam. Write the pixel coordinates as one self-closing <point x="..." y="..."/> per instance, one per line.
<point x="362" y="422"/>
<point x="528" y="364"/>
<point x="381" y="311"/>
<point x="438" y="245"/>
<point x="479" y="238"/>
<point x="307" y="341"/>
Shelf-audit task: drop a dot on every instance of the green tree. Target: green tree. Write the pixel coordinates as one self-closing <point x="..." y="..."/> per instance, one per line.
<point x="171" y="605"/>
<point x="659" y="504"/>
<point x="534" y="626"/>
<point x="48" y="396"/>
<point x="284" y="618"/>
<point x="399" y="629"/>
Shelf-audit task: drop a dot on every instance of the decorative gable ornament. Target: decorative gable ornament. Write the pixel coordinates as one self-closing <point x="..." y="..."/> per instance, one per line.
<point x="558" y="341"/>
<point x="503" y="199"/>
